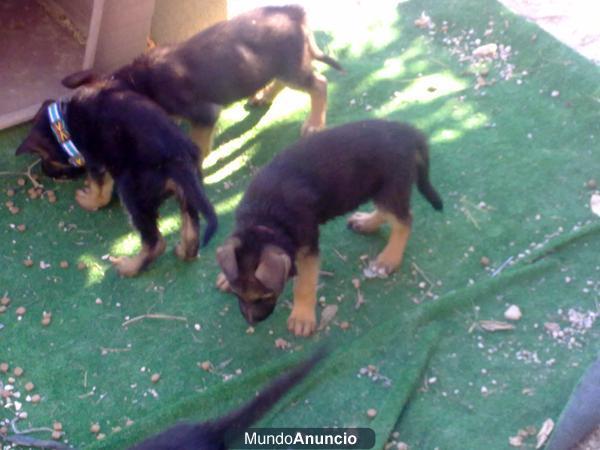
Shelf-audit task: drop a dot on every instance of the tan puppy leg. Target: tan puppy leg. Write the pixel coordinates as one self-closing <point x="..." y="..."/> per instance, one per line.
<point x="267" y="94"/>
<point x="391" y="256"/>
<point x="203" y="138"/>
<point x="302" y="320"/>
<point x="366" y="222"/>
<point x="187" y="248"/>
<point x="131" y="266"/>
<point x="96" y="194"/>
<point x="318" y="106"/>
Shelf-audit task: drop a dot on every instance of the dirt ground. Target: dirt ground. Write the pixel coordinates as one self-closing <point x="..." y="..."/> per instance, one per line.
<point x="574" y="22"/>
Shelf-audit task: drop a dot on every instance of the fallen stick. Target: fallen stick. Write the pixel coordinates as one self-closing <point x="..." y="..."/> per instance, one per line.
<point x="153" y="316"/>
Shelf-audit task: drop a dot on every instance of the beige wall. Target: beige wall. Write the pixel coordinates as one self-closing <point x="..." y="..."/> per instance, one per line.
<point x="124" y="30"/>
<point x="177" y="20"/>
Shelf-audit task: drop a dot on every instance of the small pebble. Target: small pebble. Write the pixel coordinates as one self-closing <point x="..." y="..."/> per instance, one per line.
<point x="64" y="264"/>
<point x="56" y="435"/>
<point x="2" y="309"/>
<point x="206" y="365"/>
<point x="81" y="265"/>
<point x="35" y="398"/>
<point x="484" y="261"/>
<point x="401" y="446"/>
<point x="17" y="371"/>
<point x="250" y="330"/>
<point x="513" y="313"/>
<point x="28" y="262"/>
<point x="21" y="310"/>
<point x="10" y="192"/>
<point x="356" y="283"/>
<point x="29" y="386"/>
<point x="592" y="184"/>
<point x="95" y="428"/>
<point x="3" y="367"/>
<point x="21" y="227"/>
<point x="5" y="301"/>
<point x="129" y="422"/>
<point x="57" y="426"/>
<point x="344" y="325"/>
<point x="155" y="377"/>
<point x="100" y="436"/>
<point x="21" y="181"/>
<point x="371" y="413"/>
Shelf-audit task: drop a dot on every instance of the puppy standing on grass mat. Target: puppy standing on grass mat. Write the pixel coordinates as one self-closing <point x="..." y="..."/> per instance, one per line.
<point x="318" y="178"/>
<point x="122" y="136"/>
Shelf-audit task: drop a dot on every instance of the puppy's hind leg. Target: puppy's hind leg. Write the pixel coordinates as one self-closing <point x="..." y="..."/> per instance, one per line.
<point x="267" y="94"/>
<point x="187" y="248"/>
<point x="203" y="136"/>
<point x="365" y="223"/>
<point x="143" y="208"/>
<point x="391" y="256"/>
<point x="318" y="105"/>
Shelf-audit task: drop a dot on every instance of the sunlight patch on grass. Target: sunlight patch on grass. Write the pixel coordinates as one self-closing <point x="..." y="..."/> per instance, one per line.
<point x="96" y="269"/>
<point x="229" y="204"/>
<point x="131" y="243"/>
<point x="424" y="90"/>
<point x="228" y="169"/>
<point x="445" y="135"/>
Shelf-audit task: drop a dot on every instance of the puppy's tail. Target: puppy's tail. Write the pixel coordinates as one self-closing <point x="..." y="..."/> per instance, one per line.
<point x="189" y="182"/>
<point x="318" y="54"/>
<point x="423" y="183"/>
<point x="234" y="424"/>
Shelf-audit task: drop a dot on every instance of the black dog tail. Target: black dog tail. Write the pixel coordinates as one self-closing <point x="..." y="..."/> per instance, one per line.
<point x="318" y="54"/>
<point x="234" y="424"/>
<point x="423" y="183"/>
<point x="189" y="182"/>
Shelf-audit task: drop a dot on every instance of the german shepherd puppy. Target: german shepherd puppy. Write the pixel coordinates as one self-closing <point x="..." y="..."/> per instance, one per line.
<point x="228" y="61"/>
<point x="123" y="136"/>
<point x="221" y="433"/>
<point x="318" y="178"/>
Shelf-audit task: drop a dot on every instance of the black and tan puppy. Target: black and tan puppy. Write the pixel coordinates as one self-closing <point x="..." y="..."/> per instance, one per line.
<point x="222" y="433"/>
<point x="316" y="179"/>
<point x="122" y="136"/>
<point x="268" y="48"/>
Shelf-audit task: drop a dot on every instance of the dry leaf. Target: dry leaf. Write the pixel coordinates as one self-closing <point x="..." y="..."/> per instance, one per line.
<point x="327" y="316"/>
<point x="486" y="51"/>
<point x="495" y="325"/>
<point x="544" y="432"/>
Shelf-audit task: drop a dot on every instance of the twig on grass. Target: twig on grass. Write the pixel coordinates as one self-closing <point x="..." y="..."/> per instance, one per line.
<point x="339" y="255"/>
<point x="153" y="316"/>
<point x="420" y="271"/>
<point x="19" y="437"/>
<point x="36" y="184"/>
<point x="502" y="267"/>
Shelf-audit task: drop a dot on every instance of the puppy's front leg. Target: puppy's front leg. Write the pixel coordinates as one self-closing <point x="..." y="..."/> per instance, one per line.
<point x="98" y="191"/>
<point x="302" y="320"/>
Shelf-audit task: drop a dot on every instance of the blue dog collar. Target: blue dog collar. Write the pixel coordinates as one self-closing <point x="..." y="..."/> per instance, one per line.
<point x="62" y="135"/>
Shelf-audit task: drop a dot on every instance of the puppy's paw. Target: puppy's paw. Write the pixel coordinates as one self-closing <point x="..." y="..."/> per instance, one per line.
<point x="311" y="128"/>
<point x="363" y="223"/>
<point x="222" y="283"/>
<point x="126" y="266"/>
<point x="186" y="252"/>
<point x="302" y="322"/>
<point x="258" y="101"/>
<point x="86" y="200"/>
<point x="379" y="269"/>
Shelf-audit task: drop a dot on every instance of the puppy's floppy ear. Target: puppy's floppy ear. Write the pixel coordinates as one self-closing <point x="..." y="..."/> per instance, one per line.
<point x="227" y="259"/>
<point x="80" y="78"/>
<point x="274" y="268"/>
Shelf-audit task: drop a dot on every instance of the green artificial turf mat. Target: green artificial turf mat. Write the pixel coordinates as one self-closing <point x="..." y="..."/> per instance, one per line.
<point x="511" y="161"/>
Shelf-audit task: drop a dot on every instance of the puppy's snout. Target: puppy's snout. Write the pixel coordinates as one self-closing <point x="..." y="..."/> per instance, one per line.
<point x="257" y="310"/>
